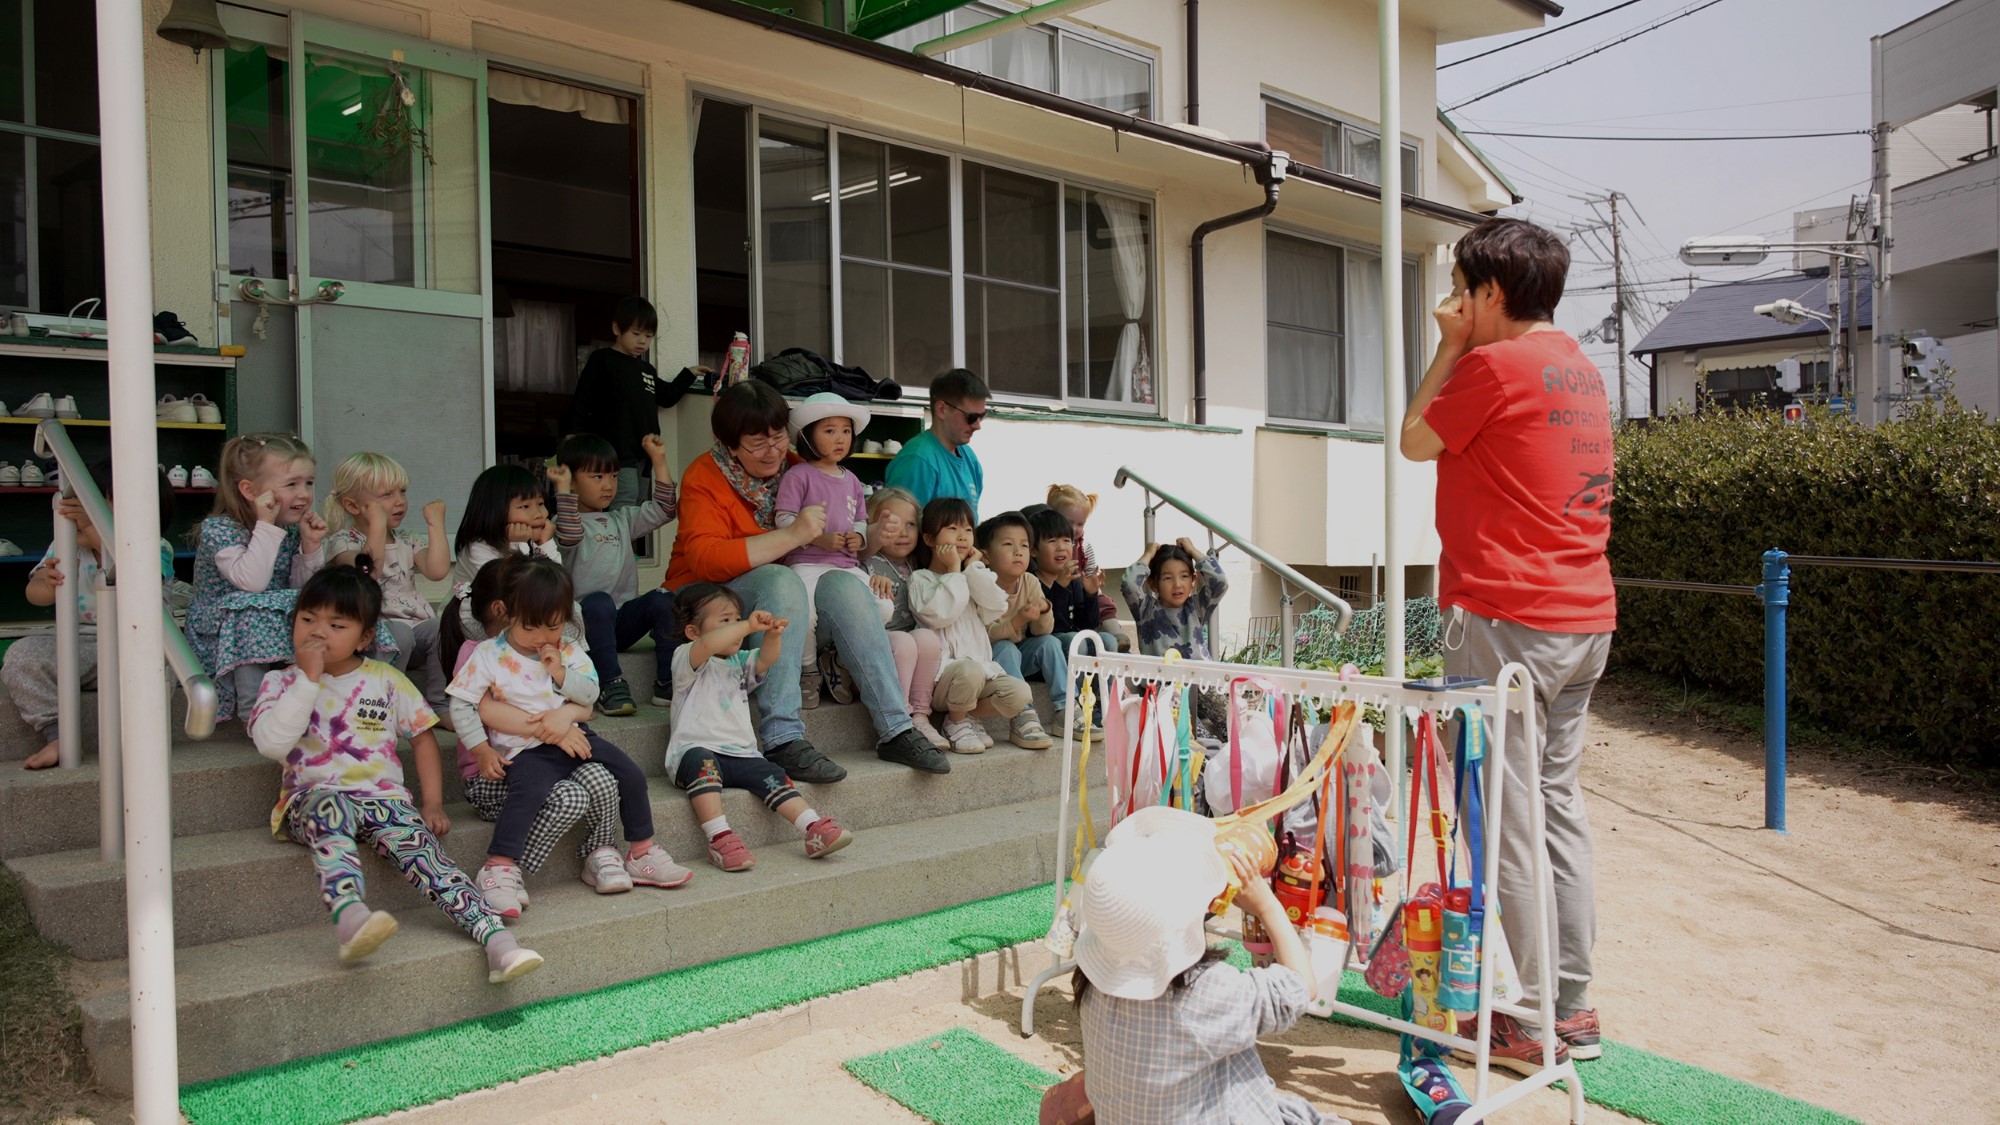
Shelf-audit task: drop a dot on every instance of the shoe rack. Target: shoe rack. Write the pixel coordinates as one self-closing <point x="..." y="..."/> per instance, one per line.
<point x="895" y="421"/>
<point x="80" y="369"/>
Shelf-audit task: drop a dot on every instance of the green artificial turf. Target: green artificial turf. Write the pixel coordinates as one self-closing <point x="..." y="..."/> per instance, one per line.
<point x="956" y="1078"/>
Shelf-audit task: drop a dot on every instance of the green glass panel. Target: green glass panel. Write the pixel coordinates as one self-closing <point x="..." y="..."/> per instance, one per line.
<point x="873" y="19"/>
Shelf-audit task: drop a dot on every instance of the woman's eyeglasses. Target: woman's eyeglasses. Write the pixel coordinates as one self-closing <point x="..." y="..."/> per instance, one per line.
<point x="769" y="443"/>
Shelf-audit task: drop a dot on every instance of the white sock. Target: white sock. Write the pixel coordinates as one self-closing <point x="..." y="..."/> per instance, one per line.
<point x="714" y="828"/>
<point x="806" y="820"/>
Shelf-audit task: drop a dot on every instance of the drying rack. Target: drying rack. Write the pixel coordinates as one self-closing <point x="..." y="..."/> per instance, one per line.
<point x="1506" y="701"/>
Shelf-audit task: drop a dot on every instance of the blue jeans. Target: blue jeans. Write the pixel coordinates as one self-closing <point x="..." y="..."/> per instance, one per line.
<point x="611" y="629"/>
<point x="1045" y="656"/>
<point x="849" y="618"/>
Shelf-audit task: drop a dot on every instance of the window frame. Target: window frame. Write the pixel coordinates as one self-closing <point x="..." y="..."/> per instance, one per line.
<point x="1341" y="126"/>
<point x="31" y="242"/>
<point x="1061" y="30"/>
<point x="1413" y="362"/>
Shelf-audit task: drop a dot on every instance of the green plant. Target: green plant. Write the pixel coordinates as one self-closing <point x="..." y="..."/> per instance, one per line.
<point x="1908" y="660"/>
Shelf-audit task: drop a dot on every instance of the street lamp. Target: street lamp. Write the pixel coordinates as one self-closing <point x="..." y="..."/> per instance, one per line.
<point x="1784" y="310"/>
<point x="1747" y="250"/>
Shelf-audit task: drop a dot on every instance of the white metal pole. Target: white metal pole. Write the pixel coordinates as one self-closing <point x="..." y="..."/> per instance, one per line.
<point x="69" y="670"/>
<point x="110" y="763"/>
<point x="128" y="241"/>
<point x="1393" y="397"/>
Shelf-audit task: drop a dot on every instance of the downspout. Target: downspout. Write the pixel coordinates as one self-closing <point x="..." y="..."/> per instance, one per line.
<point x="1272" y="176"/>
<point x="1194" y="62"/>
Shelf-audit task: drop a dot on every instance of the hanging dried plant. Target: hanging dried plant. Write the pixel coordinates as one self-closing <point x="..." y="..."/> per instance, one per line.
<point x="392" y="124"/>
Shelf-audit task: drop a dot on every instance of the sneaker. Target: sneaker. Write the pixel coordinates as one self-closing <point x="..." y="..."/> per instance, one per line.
<point x="809" y="689"/>
<point x="1083" y="729"/>
<point x="169" y="409"/>
<point x="922" y="725"/>
<point x="177" y="476"/>
<point x="1511" y="1046"/>
<point x="501" y="888"/>
<point x="205" y="412"/>
<point x="1027" y="733"/>
<point x="728" y="851"/>
<point x="168" y="329"/>
<point x="802" y="762"/>
<point x="911" y="749"/>
<point x="663" y="693"/>
<point x="66" y="407"/>
<point x="985" y="736"/>
<point x="10" y="549"/>
<point x="1579" y="1033"/>
<point x="657" y="869"/>
<point x="965" y="736"/>
<point x="892" y="447"/>
<point x="512" y="965"/>
<point x="10" y="476"/>
<point x="605" y="870"/>
<point x="614" y="698"/>
<point x="31" y="475"/>
<point x="379" y="927"/>
<point x="826" y="837"/>
<point x="839" y="685"/>
<point x="42" y="405"/>
<point x="201" y="478"/>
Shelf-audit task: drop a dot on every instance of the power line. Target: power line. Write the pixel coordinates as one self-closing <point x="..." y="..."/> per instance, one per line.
<point x="1577" y="58"/>
<point x="1539" y="34"/>
<point x="1606" y="121"/>
<point x="1718" y="137"/>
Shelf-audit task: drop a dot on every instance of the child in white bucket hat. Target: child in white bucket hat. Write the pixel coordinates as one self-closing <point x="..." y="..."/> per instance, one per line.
<point x="826" y="428"/>
<point x="1169" y="1029"/>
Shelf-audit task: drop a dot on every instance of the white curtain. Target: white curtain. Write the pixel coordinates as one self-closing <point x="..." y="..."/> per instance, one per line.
<point x="535" y="349"/>
<point x="1302" y="337"/>
<point x="1104" y="78"/>
<point x="1026" y="55"/>
<point x="1364" y="342"/>
<point x="1131" y="370"/>
<point x="592" y="105"/>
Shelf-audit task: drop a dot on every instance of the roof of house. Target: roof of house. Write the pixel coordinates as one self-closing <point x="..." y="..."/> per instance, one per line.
<point x="1485" y="161"/>
<point x="1726" y="314"/>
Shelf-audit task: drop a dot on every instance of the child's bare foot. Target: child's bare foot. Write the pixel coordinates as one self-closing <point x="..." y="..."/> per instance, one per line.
<point x="44" y="758"/>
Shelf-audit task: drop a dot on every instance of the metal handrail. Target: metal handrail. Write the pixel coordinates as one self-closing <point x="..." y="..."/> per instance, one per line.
<point x="1287" y="577"/>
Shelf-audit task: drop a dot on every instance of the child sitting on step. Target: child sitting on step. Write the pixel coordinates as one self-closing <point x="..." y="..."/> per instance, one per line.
<point x="364" y="513"/>
<point x="333" y="719"/>
<point x="529" y="665"/>
<point x="956" y="594"/>
<point x="892" y="540"/>
<point x="714" y="744"/>
<point x="590" y="794"/>
<point x="825" y="429"/>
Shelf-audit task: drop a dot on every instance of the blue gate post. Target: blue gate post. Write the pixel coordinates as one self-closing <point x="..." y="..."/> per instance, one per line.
<point x="1776" y="593"/>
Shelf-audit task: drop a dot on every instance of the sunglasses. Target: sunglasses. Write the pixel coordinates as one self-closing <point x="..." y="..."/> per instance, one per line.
<point x="973" y="417"/>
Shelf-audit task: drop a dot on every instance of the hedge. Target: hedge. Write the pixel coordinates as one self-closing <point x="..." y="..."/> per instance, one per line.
<point x="1908" y="661"/>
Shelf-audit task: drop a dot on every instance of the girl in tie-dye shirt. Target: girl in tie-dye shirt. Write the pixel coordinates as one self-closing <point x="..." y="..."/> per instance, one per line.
<point x="332" y="720"/>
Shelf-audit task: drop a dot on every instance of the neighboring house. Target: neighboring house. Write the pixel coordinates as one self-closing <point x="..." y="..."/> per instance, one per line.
<point x="1934" y="83"/>
<point x="1715" y="349"/>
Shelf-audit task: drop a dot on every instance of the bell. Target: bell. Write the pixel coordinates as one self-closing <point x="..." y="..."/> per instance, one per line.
<point x="194" y="24"/>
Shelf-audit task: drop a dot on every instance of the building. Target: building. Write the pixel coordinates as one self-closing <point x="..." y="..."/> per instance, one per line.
<point x="1714" y="348"/>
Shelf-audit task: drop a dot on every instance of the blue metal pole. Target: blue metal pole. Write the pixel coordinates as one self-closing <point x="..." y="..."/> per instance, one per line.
<point x="1776" y="593"/>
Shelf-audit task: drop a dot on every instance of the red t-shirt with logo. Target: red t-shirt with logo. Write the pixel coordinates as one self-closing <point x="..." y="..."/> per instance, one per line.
<point x="1524" y="486"/>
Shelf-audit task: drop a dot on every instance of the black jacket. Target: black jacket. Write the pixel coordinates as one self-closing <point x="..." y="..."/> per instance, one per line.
<point x="618" y="398"/>
<point x="1075" y="607"/>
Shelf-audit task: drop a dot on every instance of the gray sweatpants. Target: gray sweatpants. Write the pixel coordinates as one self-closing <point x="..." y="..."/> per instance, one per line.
<point x="29" y="672"/>
<point x="1564" y="668"/>
<point x="417" y="649"/>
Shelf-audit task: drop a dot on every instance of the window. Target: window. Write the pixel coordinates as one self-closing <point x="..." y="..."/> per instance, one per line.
<point x="1045" y="57"/>
<point x="52" y="249"/>
<point x="1740" y="388"/>
<point x="1054" y="279"/>
<point x="1333" y="144"/>
<point x="1323" y="335"/>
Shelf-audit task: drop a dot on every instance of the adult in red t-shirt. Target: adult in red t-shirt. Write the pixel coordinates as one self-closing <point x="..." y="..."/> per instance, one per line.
<point x="1519" y="423"/>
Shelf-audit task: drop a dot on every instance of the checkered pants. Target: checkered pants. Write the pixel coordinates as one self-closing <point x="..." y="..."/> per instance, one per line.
<point x="590" y="794"/>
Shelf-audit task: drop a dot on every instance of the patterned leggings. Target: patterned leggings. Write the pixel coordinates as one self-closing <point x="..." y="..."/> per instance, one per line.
<point x="590" y="795"/>
<point x="331" y="823"/>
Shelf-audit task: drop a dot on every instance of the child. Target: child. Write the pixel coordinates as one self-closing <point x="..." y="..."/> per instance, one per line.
<point x="333" y="719"/>
<point x="714" y="744"/>
<point x="1076" y="506"/>
<point x="530" y="666"/>
<point x="1056" y="564"/>
<point x="262" y="542"/>
<point x="1170" y="1028"/>
<point x="596" y="542"/>
<point x="364" y="515"/>
<point x="29" y="670"/>
<point x="620" y="395"/>
<point x="507" y="511"/>
<point x="955" y="594"/>
<point x="892" y="539"/>
<point x="1022" y="642"/>
<point x="1172" y="590"/>
<point x="590" y="794"/>
<point x="824" y="428"/>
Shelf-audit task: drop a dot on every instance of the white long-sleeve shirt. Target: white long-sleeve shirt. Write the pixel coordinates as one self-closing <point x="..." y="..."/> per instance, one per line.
<point x="249" y="567"/>
<point x="960" y="606"/>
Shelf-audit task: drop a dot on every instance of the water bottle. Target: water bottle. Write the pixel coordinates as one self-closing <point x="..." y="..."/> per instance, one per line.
<point x="1459" y="988"/>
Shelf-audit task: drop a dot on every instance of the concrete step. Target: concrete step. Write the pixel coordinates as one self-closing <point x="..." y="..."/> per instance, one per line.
<point x="243" y="882"/>
<point x="248" y="1002"/>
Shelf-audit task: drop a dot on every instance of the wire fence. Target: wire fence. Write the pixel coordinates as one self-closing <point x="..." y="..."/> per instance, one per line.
<point x="1320" y="644"/>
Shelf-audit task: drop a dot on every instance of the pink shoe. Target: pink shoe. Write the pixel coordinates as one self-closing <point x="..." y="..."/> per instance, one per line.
<point x="657" y="869"/>
<point x="826" y="837"/>
<point x="728" y="851"/>
<point x="922" y="725"/>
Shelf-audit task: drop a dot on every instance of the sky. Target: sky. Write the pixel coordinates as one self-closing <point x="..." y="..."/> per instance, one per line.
<point x="1739" y="66"/>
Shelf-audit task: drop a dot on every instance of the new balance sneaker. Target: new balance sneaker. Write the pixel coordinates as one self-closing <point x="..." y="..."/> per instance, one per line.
<point x="614" y="698"/>
<point x="922" y="725"/>
<point x="965" y="736"/>
<point x="205" y="411"/>
<point x="604" y="869"/>
<point x="825" y="837"/>
<point x="1027" y="733"/>
<point x="66" y="407"/>
<point x="201" y="478"/>
<point x="501" y="888"/>
<point x="908" y="748"/>
<point x="657" y="869"/>
<point x="43" y="405"/>
<point x="31" y="475"/>
<point x="1579" y="1033"/>
<point x="801" y="761"/>
<point x="10" y="475"/>
<point x="168" y="409"/>
<point x="177" y="476"/>
<point x="728" y="851"/>
<point x="663" y="693"/>
<point x="1512" y="1047"/>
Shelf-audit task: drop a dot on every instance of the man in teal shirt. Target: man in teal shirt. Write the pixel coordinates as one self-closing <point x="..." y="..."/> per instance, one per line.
<point x="940" y="461"/>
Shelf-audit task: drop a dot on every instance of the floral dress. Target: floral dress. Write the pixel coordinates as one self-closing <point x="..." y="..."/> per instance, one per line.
<point x="231" y="627"/>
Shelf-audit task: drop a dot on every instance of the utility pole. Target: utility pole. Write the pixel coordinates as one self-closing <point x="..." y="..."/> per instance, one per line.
<point x="1618" y="301"/>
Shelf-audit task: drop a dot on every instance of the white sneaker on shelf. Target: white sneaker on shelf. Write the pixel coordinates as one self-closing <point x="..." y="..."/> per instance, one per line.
<point x="205" y="411"/>
<point x="4" y="412"/>
<point x="10" y="475"/>
<point x="43" y="405"/>
<point x="66" y="407"/>
<point x="892" y="447"/>
<point x="9" y="548"/>
<point x="31" y="475"/>
<point x="178" y="477"/>
<point x="201" y="478"/>
<point x="171" y="409"/>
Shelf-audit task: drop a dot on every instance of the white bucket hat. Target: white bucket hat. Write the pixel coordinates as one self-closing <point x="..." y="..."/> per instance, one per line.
<point x="1143" y="902"/>
<point x="825" y="405"/>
